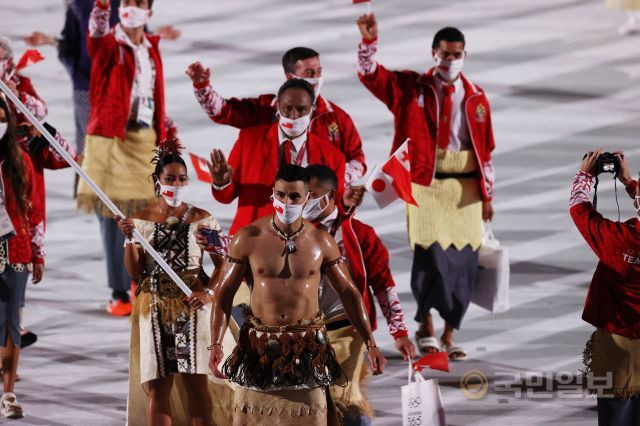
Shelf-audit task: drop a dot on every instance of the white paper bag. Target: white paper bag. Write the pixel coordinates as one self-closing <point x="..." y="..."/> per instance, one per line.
<point x="422" y="402"/>
<point x="491" y="289"/>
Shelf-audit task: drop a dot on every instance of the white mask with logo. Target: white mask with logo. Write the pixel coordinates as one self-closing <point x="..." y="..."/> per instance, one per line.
<point x="449" y="70"/>
<point x="294" y="128"/>
<point x="287" y="213"/>
<point x="312" y="209"/>
<point x="3" y="129"/>
<point x="316" y="83"/>
<point x="133" y="17"/>
<point x="173" y="195"/>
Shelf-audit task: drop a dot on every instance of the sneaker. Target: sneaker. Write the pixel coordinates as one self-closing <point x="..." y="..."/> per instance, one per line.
<point x="630" y="27"/>
<point x="119" y="308"/>
<point x="10" y="407"/>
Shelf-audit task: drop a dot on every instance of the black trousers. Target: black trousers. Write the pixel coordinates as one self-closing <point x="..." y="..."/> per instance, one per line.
<point x="443" y="279"/>
<point x="618" y="412"/>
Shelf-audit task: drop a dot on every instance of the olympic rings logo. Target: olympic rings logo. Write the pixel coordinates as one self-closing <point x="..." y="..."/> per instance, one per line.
<point x="414" y="421"/>
<point x="415" y="402"/>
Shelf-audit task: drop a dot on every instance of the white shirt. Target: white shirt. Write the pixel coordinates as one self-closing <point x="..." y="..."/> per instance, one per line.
<point x="328" y="300"/>
<point x="144" y="78"/>
<point x="459" y="139"/>
<point x="297" y="146"/>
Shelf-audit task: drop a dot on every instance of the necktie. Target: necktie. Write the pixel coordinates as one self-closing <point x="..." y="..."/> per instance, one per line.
<point x="287" y="146"/>
<point x="444" y="126"/>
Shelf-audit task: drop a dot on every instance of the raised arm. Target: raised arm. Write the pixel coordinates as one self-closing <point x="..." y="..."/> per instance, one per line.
<point x="99" y="29"/>
<point x="233" y="271"/>
<point x="240" y="113"/>
<point x="381" y="82"/>
<point x="335" y="269"/>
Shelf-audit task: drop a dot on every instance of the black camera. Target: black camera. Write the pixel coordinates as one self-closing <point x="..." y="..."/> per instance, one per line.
<point x="607" y="163"/>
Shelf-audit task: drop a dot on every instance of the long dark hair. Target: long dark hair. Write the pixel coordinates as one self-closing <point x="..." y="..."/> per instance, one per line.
<point x="11" y="153"/>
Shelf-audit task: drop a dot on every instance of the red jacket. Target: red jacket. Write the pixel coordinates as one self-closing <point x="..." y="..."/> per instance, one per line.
<point x="21" y="248"/>
<point x="613" y="300"/>
<point x="30" y="99"/>
<point x="369" y="266"/>
<point x="412" y="99"/>
<point x="43" y="156"/>
<point x="112" y="75"/>
<point x="254" y="158"/>
<point x="329" y="121"/>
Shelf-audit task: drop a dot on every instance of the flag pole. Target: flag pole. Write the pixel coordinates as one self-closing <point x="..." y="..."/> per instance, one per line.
<point x="103" y="197"/>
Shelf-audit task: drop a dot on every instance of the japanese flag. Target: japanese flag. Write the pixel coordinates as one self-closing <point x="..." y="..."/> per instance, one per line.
<point x="393" y="179"/>
<point x="201" y="166"/>
<point x="29" y="57"/>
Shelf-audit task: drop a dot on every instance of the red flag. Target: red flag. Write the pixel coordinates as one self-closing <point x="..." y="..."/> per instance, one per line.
<point x="201" y="166"/>
<point x="435" y="361"/>
<point x="29" y="57"/>
<point x="360" y="1"/>
<point x="393" y="179"/>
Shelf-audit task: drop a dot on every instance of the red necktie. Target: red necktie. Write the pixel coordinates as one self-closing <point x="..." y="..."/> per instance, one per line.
<point x="287" y="146"/>
<point x="444" y="126"/>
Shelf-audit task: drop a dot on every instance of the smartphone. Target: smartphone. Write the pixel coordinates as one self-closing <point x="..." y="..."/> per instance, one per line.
<point x="213" y="237"/>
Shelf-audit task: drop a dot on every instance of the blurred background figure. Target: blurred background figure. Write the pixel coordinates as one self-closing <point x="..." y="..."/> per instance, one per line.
<point x="632" y="7"/>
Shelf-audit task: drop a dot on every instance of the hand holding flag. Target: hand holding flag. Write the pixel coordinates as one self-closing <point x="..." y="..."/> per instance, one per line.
<point x="434" y="361"/>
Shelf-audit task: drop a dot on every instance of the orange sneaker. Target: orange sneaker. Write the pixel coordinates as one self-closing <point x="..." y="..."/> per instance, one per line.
<point x="119" y="308"/>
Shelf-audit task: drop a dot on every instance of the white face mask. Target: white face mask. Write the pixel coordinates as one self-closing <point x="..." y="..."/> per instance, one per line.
<point x="173" y="195"/>
<point x="4" y="67"/>
<point x="133" y="17"/>
<point x="316" y="83"/>
<point x="3" y="129"/>
<point x="449" y="70"/>
<point x="636" y="204"/>
<point x="287" y="213"/>
<point x="294" y="128"/>
<point x="312" y="209"/>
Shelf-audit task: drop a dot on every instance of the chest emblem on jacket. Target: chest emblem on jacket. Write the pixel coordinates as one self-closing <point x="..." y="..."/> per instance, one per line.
<point x="481" y="113"/>
<point x="334" y="132"/>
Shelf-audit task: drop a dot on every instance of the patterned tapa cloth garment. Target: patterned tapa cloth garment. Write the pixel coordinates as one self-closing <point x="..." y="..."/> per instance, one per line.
<point x="612" y="365"/>
<point x="295" y="356"/>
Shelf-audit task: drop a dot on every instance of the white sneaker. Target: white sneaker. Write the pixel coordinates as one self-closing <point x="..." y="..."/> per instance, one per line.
<point x="631" y="26"/>
<point x="10" y="407"/>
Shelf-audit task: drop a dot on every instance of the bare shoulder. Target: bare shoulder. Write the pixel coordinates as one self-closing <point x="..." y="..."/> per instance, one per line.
<point x="145" y="214"/>
<point x="198" y="214"/>
<point x="325" y="241"/>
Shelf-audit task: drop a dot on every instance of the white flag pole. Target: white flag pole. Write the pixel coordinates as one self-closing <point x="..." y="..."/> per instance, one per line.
<point x="76" y="167"/>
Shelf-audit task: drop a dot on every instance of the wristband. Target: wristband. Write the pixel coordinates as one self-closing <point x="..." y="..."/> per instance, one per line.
<point x="214" y="344"/>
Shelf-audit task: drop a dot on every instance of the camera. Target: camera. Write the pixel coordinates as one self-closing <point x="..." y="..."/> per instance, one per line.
<point x="607" y="163"/>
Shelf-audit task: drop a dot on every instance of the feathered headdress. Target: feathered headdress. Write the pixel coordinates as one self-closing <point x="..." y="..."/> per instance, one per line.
<point x="167" y="147"/>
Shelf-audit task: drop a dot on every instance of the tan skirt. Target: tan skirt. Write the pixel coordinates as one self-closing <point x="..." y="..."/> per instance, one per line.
<point x="121" y="169"/>
<point x="608" y="354"/>
<point x="630" y="5"/>
<point x="306" y="407"/>
<point x="349" y="395"/>
<point x="450" y="210"/>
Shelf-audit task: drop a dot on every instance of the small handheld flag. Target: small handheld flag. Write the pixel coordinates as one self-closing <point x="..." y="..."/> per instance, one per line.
<point x="29" y="57"/>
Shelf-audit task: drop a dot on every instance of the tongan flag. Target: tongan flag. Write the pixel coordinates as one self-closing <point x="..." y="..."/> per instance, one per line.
<point x="393" y="179"/>
<point x="435" y="361"/>
<point x="201" y="166"/>
<point x="29" y="57"/>
<point x="361" y="1"/>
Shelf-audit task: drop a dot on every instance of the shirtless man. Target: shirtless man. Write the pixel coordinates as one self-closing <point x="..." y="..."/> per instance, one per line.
<point x="283" y="359"/>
